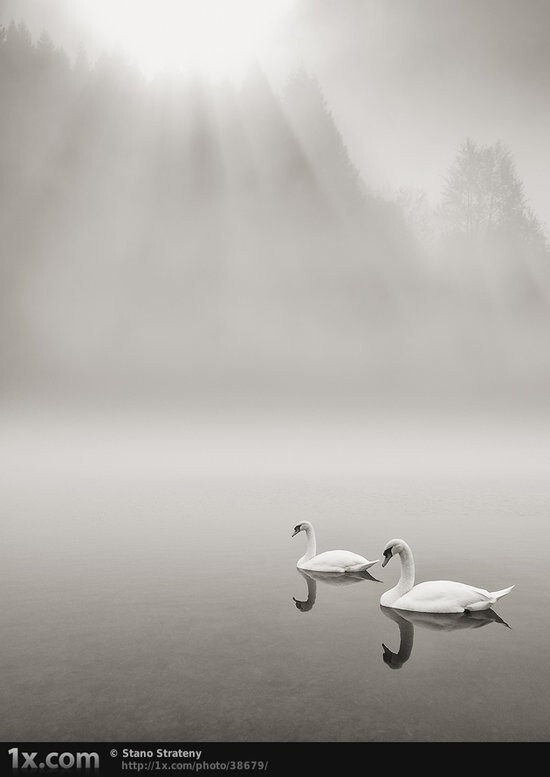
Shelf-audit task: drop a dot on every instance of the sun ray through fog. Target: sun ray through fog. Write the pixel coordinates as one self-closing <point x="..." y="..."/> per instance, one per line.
<point x="216" y="37"/>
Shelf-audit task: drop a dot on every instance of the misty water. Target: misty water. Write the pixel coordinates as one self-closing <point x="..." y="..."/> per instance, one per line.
<point x="312" y="284"/>
<point x="148" y="599"/>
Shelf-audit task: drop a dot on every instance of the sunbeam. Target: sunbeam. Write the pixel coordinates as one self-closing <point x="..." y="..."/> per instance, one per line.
<point x="215" y="37"/>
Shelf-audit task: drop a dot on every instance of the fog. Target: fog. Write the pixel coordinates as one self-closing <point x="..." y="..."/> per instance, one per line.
<point x="293" y="273"/>
<point x="408" y="81"/>
<point x="358" y="217"/>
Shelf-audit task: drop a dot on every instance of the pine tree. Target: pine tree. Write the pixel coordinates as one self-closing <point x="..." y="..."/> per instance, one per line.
<point x="45" y="44"/>
<point x="17" y="46"/>
<point x="81" y="64"/>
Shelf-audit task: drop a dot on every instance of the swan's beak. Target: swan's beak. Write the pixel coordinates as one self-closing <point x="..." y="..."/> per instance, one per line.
<point x="295" y="532"/>
<point x="387" y="557"/>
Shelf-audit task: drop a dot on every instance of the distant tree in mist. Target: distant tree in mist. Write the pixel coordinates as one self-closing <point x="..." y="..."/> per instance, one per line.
<point x="315" y="129"/>
<point x="488" y="226"/>
<point x="484" y="197"/>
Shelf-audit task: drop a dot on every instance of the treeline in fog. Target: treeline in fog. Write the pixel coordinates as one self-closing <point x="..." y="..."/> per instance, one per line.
<point x="171" y="232"/>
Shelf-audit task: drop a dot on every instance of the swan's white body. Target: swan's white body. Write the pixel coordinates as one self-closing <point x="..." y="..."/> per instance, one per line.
<point x="443" y="596"/>
<point x="339" y="561"/>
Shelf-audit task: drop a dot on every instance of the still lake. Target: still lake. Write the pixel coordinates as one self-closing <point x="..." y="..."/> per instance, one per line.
<point x="150" y="606"/>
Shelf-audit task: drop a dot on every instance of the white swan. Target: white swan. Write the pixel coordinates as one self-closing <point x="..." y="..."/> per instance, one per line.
<point x="332" y="560"/>
<point x="435" y="596"/>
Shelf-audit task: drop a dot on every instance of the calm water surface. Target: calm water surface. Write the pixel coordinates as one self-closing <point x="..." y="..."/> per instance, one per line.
<point x="164" y="608"/>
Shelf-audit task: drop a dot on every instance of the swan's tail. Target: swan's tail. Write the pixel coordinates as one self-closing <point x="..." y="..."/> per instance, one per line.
<point x="500" y="594"/>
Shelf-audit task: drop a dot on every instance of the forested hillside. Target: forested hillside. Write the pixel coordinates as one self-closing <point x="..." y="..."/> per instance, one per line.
<point x="178" y="232"/>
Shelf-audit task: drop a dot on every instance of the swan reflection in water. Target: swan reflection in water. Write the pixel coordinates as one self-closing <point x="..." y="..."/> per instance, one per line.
<point x="407" y="620"/>
<point x="329" y="578"/>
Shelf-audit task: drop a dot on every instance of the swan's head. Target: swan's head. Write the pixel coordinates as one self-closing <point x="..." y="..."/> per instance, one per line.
<point x="303" y="606"/>
<point x="304" y="526"/>
<point x="393" y="548"/>
<point x="391" y="659"/>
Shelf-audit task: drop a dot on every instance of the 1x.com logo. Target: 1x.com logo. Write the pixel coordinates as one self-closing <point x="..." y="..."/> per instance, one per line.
<point x="22" y="760"/>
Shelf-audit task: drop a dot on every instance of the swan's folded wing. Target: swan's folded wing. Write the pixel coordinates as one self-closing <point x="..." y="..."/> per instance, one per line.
<point x="447" y="596"/>
<point x="338" y="558"/>
<point x="481" y="592"/>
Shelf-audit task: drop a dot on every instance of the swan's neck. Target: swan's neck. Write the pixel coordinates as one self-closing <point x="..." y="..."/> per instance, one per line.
<point x="406" y="640"/>
<point x="311" y="547"/>
<point x="311" y="591"/>
<point x="406" y="637"/>
<point x="406" y="581"/>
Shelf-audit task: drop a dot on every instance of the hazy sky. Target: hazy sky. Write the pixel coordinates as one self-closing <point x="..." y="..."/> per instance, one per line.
<point x="407" y="80"/>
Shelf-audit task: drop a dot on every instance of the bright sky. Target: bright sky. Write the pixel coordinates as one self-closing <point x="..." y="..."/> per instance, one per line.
<point x="218" y="37"/>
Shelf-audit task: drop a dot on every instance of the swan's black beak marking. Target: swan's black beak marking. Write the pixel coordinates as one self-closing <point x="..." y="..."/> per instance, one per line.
<point x="296" y="531"/>
<point x="387" y="556"/>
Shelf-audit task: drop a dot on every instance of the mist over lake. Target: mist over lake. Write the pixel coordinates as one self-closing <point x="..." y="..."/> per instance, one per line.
<point x="295" y="271"/>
